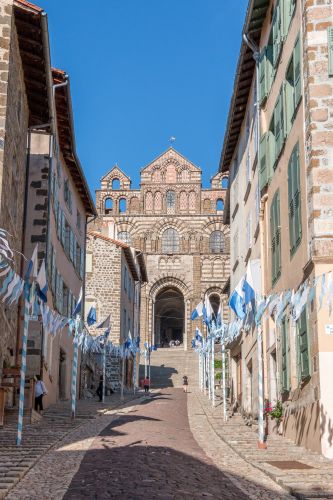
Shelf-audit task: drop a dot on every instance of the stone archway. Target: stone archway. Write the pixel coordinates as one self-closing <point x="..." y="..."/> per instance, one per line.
<point x="169" y="317"/>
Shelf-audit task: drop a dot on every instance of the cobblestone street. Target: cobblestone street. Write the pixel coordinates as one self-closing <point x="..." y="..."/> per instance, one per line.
<point x="147" y="449"/>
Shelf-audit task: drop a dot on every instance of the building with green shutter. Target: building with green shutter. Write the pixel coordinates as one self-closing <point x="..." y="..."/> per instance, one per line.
<point x="288" y="187"/>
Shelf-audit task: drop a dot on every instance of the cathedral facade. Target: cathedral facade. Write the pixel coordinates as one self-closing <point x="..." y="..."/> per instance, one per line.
<point x="178" y="227"/>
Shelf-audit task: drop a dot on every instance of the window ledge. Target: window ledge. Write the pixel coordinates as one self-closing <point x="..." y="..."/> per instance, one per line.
<point x="255" y="162"/>
<point x="256" y="232"/>
<point x="248" y="255"/>
<point x="235" y="266"/>
<point x="247" y="191"/>
<point x="235" y="211"/>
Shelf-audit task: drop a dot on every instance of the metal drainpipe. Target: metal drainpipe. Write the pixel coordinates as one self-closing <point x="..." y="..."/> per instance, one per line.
<point x="261" y="343"/>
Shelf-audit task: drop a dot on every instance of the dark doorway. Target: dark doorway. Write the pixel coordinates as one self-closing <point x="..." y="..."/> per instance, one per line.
<point x="169" y="317"/>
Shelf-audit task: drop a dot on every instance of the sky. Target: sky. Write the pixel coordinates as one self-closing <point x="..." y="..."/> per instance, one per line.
<point x="142" y="71"/>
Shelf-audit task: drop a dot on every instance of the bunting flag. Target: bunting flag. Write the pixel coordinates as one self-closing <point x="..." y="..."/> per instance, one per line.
<point x="207" y="311"/>
<point x="198" y="311"/>
<point x="105" y="323"/>
<point x="32" y="268"/>
<point x="91" y="318"/>
<point x="42" y="283"/>
<point x="78" y="306"/>
<point x="237" y="302"/>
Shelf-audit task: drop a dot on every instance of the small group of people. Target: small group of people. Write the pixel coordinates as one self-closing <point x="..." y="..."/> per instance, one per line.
<point x="174" y="343"/>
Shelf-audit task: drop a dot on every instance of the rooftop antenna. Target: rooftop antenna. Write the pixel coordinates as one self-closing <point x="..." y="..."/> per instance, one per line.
<point x="172" y="139"/>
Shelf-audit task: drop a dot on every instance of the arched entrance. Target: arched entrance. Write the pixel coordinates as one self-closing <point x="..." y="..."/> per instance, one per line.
<point x="169" y="317"/>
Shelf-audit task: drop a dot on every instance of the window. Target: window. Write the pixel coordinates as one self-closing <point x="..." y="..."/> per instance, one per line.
<point x="216" y="242"/>
<point x="277" y="126"/>
<point x="89" y="262"/>
<point x="288" y="12"/>
<point x="125" y="279"/>
<point x="294" y="200"/>
<point x="124" y="323"/>
<point x="285" y="380"/>
<point x="108" y="206"/>
<point x="125" y="237"/>
<point x="257" y="205"/>
<point x="65" y="297"/>
<point x="122" y="205"/>
<point x="115" y="184"/>
<point x="225" y="182"/>
<point x="248" y="167"/>
<point x="275" y="238"/>
<point x="219" y="205"/>
<point x="266" y="159"/>
<point x="293" y="88"/>
<point x="78" y="220"/>
<point x="266" y="70"/>
<point x="68" y="195"/>
<point x="277" y="33"/>
<point x="303" y="347"/>
<point x="171" y="199"/>
<point x="235" y="246"/>
<point x="59" y="292"/>
<point x="170" y="241"/>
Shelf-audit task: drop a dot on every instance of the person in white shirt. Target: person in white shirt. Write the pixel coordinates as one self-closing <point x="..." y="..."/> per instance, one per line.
<point x="40" y="391"/>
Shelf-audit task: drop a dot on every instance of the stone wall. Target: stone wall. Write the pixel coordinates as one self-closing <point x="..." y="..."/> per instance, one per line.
<point x="14" y="115"/>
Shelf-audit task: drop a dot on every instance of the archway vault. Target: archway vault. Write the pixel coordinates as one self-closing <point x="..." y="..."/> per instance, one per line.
<point x="167" y="281"/>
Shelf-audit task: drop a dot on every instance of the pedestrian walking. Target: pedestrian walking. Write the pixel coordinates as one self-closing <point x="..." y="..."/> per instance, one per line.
<point x="185" y="383"/>
<point x="99" y="391"/>
<point x="40" y="391"/>
<point x="146" y="384"/>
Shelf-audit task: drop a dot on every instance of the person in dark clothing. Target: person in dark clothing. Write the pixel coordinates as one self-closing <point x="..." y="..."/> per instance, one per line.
<point x="99" y="391"/>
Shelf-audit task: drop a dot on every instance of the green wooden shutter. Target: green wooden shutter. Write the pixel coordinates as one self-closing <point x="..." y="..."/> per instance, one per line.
<point x="297" y="73"/>
<point x="82" y="264"/>
<point x="303" y="346"/>
<point x="291" y="205"/>
<point x="279" y="123"/>
<point x="273" y="243"/>
<point x="262" y="76"/>
<point x="71" y="245"/>
<point x="297" y="196"/>
<point x="285" y="379"/>
<point x="269" y="67"/>
<point x="330" y="50"/>
<point x="262" y="162"/>
<point x="288" y="104"/>
<point x="278" y="236"/>
<point x="270" y="155"/>
<point x="277" y="35"/>
<point x="288" y="12"/>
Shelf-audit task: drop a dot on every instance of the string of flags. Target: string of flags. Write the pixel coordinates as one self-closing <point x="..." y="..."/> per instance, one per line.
<point x="250" y="308"/>
<point x="13" y="286"/>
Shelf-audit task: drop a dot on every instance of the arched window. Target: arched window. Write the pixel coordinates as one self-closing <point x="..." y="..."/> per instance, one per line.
<point x="171" y="199"/>
<point x="115" y="184"/>
<point x="170" y="241"/>
<point x="215" y="301"/>
<point x="125" y="237"/>
<point x="216" y="242"/>
<point x="158" y="201"/>
<point x="225" y="182"/>
<point x="122" y="205"/>
<point x="108" y="205"/>
<point x="219" y="205"/>
<point x="149" y="201"/>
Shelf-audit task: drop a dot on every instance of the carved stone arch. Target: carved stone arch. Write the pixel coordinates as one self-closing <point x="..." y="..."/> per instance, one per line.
<point x="214" y="224"/>
<point x="170" y="222"/>
<point x="172" y="160"/>
<point x="168" y="280"/>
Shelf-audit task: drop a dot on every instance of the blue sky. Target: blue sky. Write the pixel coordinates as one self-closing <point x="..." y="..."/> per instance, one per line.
<point x="144" y="70"/>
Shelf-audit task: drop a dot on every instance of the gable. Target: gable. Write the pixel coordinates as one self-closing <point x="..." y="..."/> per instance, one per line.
<point x="170" y="157"/>
<point x="116" y="173"/>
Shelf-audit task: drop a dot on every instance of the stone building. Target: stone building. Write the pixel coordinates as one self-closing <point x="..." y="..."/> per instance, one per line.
<point x="115" y="273"/>
<point x="59" y="204"/>
<point x="294" y="175"/>
<point x="178" y="226"/>
<point x="25" y="103"/>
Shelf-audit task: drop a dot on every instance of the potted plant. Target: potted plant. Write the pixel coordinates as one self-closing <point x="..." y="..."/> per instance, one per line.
<point x="275" y="412"/>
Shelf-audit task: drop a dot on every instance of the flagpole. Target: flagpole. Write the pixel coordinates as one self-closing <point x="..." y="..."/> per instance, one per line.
<point x="123" y="375"/>
<point x="23" y="363"/>
<point x="224" y="392"/>
<point x="261" y="433"/>
<point x="213" y="371"/>
<point x="75" y="364"/>
<point x="104" y="370"/>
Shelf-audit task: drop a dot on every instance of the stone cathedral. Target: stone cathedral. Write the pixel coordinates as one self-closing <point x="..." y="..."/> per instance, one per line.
<point x="178" y="226"/>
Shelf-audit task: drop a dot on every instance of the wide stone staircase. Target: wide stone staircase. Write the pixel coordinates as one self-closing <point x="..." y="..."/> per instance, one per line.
<point x="169" y="365"/>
